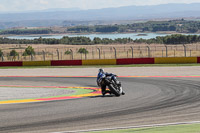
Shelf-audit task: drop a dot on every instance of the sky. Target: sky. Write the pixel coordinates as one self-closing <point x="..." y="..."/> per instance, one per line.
<point x="26" y="5"/>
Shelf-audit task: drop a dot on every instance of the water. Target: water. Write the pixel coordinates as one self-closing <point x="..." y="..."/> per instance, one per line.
<point x="92" y="36"/>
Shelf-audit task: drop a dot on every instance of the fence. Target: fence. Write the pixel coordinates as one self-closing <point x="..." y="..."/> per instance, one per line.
<point x="48" y="52"/>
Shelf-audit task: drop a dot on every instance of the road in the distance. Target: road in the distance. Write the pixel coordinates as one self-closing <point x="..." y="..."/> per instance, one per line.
<point x="147" y="101"/>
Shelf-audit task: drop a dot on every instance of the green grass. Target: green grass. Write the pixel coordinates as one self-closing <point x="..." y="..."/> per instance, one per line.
<point x="195" y="128"/>
<point x="104" y="66"/>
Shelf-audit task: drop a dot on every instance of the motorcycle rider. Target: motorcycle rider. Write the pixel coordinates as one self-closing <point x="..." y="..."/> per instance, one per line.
<point x="103" y="87"/>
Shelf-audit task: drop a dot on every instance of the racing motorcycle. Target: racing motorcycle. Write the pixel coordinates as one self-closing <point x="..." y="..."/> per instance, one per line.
<point x="113" y="84"/>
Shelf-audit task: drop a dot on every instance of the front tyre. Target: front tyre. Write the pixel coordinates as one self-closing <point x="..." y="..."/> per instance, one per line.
<point x="114" y="91"/>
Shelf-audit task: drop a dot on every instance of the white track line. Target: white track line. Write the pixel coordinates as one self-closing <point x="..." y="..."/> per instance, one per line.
<point x="142" y="126"/>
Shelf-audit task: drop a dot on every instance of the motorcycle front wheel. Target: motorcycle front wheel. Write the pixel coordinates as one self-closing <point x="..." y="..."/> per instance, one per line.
<point x="114" y="90"/>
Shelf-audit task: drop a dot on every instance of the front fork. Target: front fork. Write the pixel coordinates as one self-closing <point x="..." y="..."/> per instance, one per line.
<point x="115" y="80"/>
<point x="117" y="83"/>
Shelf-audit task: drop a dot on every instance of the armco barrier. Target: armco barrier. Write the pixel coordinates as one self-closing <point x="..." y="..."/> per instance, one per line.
<point x="100" y="62"/>
<point x="159" y="60"/>
<point x="36" y="63"/>
<point x="135" y="61"/>
<point x="198" y="59"/>
<point x="15" y="63"/>
<point x="175" y="60"/>
<point x="66" y="63"/>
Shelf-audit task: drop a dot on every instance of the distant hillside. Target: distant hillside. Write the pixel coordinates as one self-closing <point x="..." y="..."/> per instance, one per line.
<point x="170" y="11"/>
<point x="121" y="13"/>
<point x="178" y="26"/>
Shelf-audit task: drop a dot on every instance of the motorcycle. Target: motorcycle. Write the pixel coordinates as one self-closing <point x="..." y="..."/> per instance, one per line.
<point x="113" y="84"/>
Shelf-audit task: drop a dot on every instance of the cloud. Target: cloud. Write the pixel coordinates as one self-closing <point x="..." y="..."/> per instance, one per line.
<point x="2" y="7"/>
<point x="45" y="2"/>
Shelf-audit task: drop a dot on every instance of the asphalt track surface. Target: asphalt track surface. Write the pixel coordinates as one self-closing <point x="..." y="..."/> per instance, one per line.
<point x="147" y="101"/>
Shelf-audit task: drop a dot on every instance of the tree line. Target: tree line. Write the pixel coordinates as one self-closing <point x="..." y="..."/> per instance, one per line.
<point x="26" y="31"/>
<point x="181" y="26"/>
<point x="66" y="40"/>
<point x="170" y="39"/>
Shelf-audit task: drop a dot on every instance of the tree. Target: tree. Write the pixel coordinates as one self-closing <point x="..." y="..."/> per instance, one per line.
<point x="13" y="53"/>
<point x="1" y="53"/>
<point x="97" y="40"/>
<point x="83" y="51"/>
<point x="68" y="52"/>
<point x="29" y="51"/>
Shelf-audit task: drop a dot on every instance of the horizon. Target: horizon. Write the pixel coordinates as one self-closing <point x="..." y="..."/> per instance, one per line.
<point x="15" y="6"/>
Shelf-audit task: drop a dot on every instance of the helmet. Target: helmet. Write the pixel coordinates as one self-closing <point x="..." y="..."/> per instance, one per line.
<point x="101" y="70"/>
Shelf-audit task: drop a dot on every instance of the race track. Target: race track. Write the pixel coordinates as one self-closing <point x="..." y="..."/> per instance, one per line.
<point x="147" y="101"/>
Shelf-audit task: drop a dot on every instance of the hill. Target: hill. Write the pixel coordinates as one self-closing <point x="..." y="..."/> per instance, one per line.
<point x="169" y="11"/>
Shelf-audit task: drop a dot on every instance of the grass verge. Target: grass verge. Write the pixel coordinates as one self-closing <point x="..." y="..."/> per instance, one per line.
<point x="105" y="66"/>
<point x="194" y="128"/>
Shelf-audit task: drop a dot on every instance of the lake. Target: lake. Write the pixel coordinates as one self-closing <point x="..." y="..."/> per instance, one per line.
<point x="92" y="36"/>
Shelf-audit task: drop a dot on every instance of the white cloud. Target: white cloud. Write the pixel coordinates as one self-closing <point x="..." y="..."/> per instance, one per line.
<point x="2" y="7"/>
<point x="45" y="2"/>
